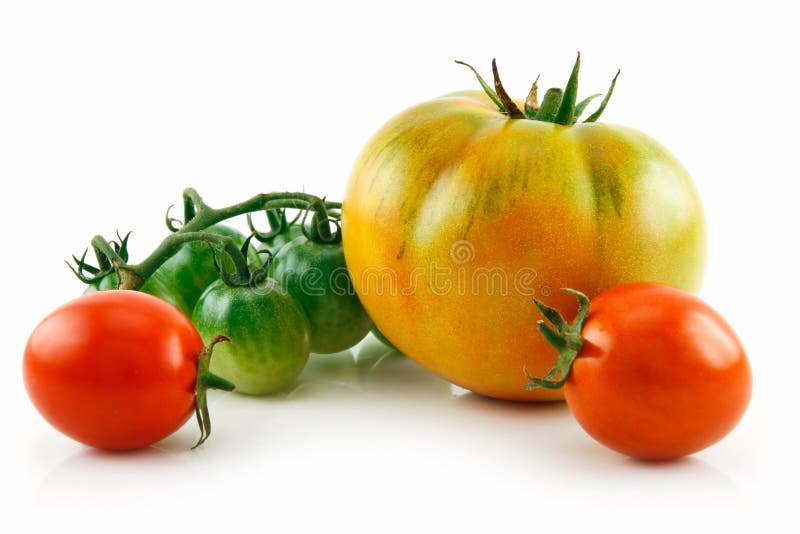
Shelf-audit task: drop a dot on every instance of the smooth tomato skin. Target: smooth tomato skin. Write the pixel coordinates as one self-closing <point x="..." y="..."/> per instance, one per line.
<point x="160" y="285"/>
<point x="268" y="330"/>
<point x="453" y="186"/>
<point x="661" y="374"/>
<point x="316" y="277"/>
<point x="114" y="369"/>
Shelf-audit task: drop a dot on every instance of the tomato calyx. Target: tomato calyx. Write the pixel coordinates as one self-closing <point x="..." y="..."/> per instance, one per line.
<point x="565" y="338"/>
<point x="277" y="221"/>
<point x="319" y="229"/>
<point x="207" y="380"/>
<point x="559" y="106"/>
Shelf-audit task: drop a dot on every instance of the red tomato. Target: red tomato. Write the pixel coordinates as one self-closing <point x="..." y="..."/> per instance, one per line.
<point x="656" y="373"/>
<point x="114" y="369"/>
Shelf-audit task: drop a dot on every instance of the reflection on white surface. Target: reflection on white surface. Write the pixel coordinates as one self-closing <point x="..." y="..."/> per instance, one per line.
<point x="372" y="425"/>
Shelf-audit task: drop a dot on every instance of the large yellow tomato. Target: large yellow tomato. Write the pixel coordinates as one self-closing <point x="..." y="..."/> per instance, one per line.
<point x="460" y="210"/>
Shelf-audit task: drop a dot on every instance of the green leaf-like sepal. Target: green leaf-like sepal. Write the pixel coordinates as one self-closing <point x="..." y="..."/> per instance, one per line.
<point x="566" y="111"/>
<point x="596" y="115"/>
<point x="565" y="338"/>
<point x="559" y="106"/>
<point x="552" y="315"/>
<point x="511" y="108"/>
<point x="486" y="88"/>
<point x="207" y="380"/>
<point x="580" y="107"/>
<point x="555" y="339"/>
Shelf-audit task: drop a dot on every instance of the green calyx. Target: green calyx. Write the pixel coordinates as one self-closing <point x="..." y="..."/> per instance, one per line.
<point x="278" y="224"/>
<point x="559" y="106"/>
<point x="562" y="336"/>
<point x="319" y="229"/>
<point x="207" y="380"/>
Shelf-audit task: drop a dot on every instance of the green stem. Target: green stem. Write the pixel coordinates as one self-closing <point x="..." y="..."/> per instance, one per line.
<point x="200" y="216"/>
<point x="173" y="243"/>
<point x="207" y="216"/>
<point x="565" y="338"/>
<point x="550" y="105"/>
<point x="127" y="277"/>
<point x="277" y="221"/>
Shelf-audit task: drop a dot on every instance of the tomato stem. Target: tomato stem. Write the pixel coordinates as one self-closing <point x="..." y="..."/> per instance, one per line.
<point x="198" y="216"/>
<point x="550" y="105"/>
<point x="207" y="380"/>
<point x="565" y="338"/>
<point x="170" y="246"/>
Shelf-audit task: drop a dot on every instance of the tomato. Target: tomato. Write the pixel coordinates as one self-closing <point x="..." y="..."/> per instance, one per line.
<point x="268" y="332"/>
<point x="653" y="372"/>
<point x="183" y="277"/>
<point x="455" y="215"/>
<point x="316" y="276"/>
<point x="115" y="369"/>
<point x="160" y="285"/>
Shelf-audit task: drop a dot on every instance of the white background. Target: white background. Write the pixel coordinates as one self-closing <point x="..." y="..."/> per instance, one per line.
<point x="109" y="109"/>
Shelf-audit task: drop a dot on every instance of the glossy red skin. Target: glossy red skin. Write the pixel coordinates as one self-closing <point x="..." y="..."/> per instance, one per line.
<point x="661" y="375"/>
<point x="114" y="369"/>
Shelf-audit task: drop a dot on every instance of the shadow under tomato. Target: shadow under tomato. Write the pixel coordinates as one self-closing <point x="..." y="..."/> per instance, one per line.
<point x="482" y="403"/>
<point x="74" y="482"/>
<point x="690" y="479"/>
<point x="370" y="369"/>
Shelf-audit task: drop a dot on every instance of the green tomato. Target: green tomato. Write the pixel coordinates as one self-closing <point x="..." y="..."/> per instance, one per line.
<point x="157" y="285"/>
<point x="268" y="330"/>
<point x="316" y="276"/>
<point x="183" y="277"/>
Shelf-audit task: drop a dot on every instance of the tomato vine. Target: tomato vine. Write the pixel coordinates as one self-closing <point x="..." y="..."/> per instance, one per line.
<point x="112" y="256"/>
